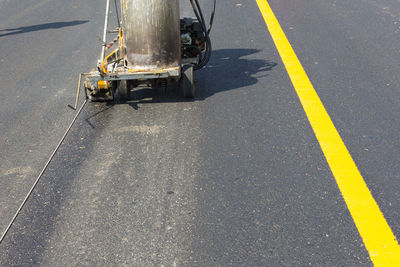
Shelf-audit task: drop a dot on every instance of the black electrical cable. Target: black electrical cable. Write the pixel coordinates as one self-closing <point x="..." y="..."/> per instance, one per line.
<point x="206" y="32"/>
<point x="212" y="16"/>
<point x="202" y="61"/>
<point x="201" y="14"/>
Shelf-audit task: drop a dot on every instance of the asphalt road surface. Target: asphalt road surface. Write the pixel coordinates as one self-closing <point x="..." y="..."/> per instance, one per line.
<point x="235" y="177"/>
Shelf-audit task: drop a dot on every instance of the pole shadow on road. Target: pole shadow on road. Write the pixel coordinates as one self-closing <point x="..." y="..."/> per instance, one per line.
<point x="228" y="69"/>
<point x="40" y="27"/>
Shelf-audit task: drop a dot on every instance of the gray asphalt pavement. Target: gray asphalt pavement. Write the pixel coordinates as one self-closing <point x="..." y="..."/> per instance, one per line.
<point x="235" y="177"/>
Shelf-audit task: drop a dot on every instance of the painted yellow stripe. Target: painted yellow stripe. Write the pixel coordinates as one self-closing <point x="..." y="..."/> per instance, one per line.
<point x="378" y="238"/>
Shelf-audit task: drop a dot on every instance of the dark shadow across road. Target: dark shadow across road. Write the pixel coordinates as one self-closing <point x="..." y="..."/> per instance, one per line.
<point x="40" y="27"/>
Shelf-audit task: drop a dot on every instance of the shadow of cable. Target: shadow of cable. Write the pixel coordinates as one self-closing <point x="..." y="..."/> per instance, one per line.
<point x="40" y="27"/>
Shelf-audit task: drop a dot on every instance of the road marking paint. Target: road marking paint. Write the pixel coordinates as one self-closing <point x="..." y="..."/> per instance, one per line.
<point x="378" y="238"/>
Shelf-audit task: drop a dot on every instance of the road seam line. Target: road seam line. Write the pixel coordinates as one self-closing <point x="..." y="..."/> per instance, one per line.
<point x="378" y="238"/>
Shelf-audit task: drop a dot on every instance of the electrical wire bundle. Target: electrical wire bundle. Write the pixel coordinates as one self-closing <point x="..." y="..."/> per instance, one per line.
<point x="203" y="59"/>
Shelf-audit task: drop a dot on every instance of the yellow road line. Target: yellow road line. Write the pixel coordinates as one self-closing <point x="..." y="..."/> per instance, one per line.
<point x="378" y="238"/>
